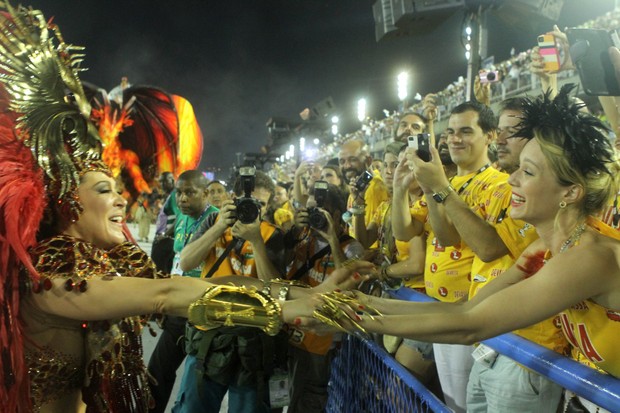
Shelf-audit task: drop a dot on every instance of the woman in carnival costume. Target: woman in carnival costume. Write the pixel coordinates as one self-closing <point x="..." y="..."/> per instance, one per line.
<point x="568" y="173"/>
<point x="72" y="287"/>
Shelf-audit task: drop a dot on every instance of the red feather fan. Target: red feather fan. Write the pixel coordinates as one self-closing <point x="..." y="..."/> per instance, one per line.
<point x="22" y="202"/>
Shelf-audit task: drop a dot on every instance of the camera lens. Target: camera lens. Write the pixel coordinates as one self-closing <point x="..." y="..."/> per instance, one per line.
<point x="491" y="76"/>
<point x="316" y="219"/>
<point x="247" y="210"/>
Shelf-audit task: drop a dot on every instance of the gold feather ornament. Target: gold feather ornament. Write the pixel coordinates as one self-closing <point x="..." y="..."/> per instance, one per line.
<point x="40" y="73"/>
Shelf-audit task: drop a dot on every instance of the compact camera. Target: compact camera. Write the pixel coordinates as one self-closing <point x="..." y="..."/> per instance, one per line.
<point x="316" y="218"/>
<point x="362" y="181"/>
<point x="421" y="144"/>
<point x="489" y="76"/>
<point x="247" y="208"/>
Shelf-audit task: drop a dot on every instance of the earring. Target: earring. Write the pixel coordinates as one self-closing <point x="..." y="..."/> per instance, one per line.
<point x="562" y="204"/>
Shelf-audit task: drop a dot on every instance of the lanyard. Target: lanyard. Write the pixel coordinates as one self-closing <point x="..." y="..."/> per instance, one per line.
<point x="466" y="184"/>
<point x="187" y="234"/>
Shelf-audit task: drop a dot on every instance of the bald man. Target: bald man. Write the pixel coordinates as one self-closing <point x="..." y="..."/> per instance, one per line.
<point x="354" y="159"/>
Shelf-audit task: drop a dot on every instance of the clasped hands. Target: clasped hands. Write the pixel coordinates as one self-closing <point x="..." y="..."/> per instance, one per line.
<point x="332" y="306"/>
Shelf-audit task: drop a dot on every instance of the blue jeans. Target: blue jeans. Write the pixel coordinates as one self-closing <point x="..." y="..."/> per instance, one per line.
<point x="208" y="397"/>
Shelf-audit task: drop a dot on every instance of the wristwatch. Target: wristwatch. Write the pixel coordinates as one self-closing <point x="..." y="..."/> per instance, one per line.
<point x="441" y="196"/>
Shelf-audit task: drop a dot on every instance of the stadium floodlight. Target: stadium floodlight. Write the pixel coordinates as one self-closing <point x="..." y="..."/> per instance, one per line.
<point x="361" y="109"/>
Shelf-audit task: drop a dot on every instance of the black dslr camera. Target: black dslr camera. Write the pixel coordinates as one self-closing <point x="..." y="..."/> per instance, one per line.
<point x="248" y="208"/>
<point x="316" y="218"/>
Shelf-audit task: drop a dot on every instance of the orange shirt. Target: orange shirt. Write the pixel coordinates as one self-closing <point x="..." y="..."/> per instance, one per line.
<point x="321" y="269"/>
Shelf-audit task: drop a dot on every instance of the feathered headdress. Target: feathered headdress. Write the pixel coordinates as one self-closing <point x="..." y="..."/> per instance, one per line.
<point x="582" y="136"/>
<point x="46" y="143"/>
<point x="40" y="73"/>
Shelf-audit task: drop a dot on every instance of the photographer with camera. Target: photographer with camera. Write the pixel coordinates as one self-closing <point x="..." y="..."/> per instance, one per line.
<point x="322" y="245"/>
<point x="236" y="240"/>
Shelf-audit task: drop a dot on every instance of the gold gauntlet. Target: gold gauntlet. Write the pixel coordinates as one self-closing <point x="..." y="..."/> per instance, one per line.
<point x="236" y="306"/>
<point x="343" y="311"/>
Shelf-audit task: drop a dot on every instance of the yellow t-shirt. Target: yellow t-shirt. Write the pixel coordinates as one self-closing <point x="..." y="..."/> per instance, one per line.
<point x="376" y="193"/>
<point x="401" y="252"/>
<point x="447" y="271"/>
<point x="517" y="235"/>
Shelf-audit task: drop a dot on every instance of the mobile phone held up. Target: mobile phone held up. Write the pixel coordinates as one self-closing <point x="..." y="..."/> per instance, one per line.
<point x="549" y="53"/>
<point x="421" y="143"/>
<point x="589" y="51"/>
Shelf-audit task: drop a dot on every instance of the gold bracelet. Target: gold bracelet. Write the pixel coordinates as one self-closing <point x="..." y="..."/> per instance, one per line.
<point x="230" y="305"/>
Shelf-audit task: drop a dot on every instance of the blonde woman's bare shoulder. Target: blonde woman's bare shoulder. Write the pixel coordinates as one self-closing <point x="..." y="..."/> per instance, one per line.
<point x="603" y="252"/>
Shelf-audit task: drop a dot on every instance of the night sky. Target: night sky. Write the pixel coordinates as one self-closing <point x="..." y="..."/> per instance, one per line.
<point x="241" y="62"/>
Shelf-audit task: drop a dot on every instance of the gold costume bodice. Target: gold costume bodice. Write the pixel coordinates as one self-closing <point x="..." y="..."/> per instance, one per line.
<point x="102" y="358"/>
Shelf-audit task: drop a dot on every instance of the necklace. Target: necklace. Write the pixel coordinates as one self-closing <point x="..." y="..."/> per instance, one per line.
<point x="574" y="237"/>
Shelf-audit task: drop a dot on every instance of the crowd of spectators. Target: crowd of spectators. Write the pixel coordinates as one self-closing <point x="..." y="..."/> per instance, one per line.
<point x="515" y="79"/>
<point x="301" y="225"/>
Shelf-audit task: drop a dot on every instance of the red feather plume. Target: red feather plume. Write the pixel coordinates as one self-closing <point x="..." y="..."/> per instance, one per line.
<point x="22" y="202"/>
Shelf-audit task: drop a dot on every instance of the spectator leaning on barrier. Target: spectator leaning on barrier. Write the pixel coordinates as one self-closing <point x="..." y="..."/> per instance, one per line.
<point x="498" y="240"/>
<point x="223" y="245"/>
<point x="471" y="128"/>
<point x="415" y="356"/>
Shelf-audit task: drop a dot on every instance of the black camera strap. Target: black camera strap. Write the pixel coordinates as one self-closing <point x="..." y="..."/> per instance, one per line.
<point x="221" y="258"/>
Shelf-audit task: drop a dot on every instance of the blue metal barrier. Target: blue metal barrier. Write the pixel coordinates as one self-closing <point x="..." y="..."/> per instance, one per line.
<point x="601" y="389"/>
<point x="365" y="378"/>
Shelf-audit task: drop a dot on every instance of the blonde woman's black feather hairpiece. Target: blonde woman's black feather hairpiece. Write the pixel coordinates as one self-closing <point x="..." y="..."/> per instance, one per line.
<point x="584" y="141"/>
